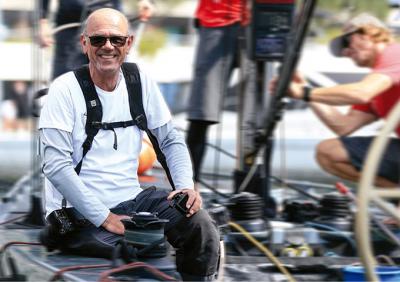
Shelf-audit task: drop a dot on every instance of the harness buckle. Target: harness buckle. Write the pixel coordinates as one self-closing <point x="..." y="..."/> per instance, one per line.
<point x="140" y="120"/>
<point x="105" y="126"/>
<point x="97" y="124"/>
<point x="101" y="125"/>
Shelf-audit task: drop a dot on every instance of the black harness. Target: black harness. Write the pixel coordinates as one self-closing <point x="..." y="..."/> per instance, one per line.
<point x="95" y="112"/>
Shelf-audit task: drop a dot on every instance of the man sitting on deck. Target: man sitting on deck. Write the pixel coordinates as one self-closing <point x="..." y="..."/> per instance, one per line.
<point x="107" y="189"/>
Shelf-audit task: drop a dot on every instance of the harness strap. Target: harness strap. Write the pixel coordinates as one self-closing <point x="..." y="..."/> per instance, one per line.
<point x="134" y="86"/>
<point x="111" y="126"/>
<point x="94" y="110"/>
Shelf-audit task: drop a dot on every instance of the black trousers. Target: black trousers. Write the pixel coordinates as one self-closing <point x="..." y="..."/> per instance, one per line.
<point x="196" y="238"/>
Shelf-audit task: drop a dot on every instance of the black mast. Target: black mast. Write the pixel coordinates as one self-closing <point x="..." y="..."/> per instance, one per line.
<point x="262" y="146"/>
<point x="288" y="66"/>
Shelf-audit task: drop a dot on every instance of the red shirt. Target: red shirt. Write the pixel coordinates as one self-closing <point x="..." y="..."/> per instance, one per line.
<point x="217" y="13"/>
<point x="387" y="63"/>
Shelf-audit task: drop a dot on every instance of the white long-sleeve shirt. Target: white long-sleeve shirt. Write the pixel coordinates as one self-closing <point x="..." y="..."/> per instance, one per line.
<point x="107" y="176"/>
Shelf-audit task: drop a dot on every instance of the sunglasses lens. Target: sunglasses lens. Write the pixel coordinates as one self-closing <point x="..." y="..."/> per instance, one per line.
<point x="117" y="41"/>
<point x="346" y="42"/>
<point x="98" y="41"/>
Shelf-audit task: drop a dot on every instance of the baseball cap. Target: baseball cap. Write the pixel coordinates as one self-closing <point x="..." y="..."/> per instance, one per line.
<point x="337" y="44"/>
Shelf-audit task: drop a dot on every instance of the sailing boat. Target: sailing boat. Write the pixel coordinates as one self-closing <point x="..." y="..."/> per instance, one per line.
<point x="308" y="233"/>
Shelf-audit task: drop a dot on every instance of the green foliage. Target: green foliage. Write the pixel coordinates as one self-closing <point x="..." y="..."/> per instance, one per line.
<point x="132" y="5"/>
<point x="330" y="15"/>
<point x="152" y="40"/>
<point x="379" y="8"/>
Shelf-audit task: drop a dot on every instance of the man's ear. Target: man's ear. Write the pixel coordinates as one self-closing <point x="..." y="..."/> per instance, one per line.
<point x="131" y="40"/>
<point x="84" y="43"/>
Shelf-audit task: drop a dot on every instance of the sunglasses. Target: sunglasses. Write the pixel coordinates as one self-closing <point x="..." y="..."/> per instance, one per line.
<point x="347" y="39"/>
<point x="116" y="40"/>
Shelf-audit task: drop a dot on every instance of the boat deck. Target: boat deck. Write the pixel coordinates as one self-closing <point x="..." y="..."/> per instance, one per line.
<point x="39" y="265"/>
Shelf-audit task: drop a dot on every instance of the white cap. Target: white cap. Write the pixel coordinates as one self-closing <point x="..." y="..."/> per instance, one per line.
<point x="338" y="43"/>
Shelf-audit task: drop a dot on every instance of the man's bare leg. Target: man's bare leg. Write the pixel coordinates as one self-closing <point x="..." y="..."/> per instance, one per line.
<point x="333" y="158"/>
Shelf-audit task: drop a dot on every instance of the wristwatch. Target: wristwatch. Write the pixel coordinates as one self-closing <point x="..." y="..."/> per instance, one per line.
<point x="307" y="93"/>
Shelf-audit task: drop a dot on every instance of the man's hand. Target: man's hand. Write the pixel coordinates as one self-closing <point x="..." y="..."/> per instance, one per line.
<point x="45" y="37"/>
<point x="146" y="9"/>
<point x="295" y="89"/>
<point x="193" y="203"/>
<point x="113" y="223"/>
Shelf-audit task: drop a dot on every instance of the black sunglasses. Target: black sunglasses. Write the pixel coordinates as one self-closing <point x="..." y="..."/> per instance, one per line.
<point x="116" y="40"/>
<point x="347" y="39"/>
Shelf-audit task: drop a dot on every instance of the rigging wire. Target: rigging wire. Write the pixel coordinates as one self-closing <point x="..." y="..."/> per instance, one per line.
<point x="208" y="186"/>
<point x="385" y="230"/>
<point x="335" y="232"/>
<point x="13" y="243"/>
<point x="13" y="219"/>
<point x="220" y="149"/>
<point x="217" y="154"/>
<point x="57" y="275"/>
<point x="295" y="187"/>
<point x="282" y="147"/>
<point x="104" y="276"/>
<point x="253" y="169"/>
<point x="18" y="243"/>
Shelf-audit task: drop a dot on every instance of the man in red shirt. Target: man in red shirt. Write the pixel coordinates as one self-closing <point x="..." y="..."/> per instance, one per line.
<point x="369" y="43"/>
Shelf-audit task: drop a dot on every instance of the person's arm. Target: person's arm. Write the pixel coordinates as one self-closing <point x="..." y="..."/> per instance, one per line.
<point x="323" y="100"/>
<point x="344" y="94"/>
<point x="58" y="168"/>
<point x="173" y="146"/>
<point x="45" y="36"/>
<point x="340" y="123"/>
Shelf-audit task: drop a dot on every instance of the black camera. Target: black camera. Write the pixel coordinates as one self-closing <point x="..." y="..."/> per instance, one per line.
<point x="60" y="221"/>
<point x="179" y="202"/>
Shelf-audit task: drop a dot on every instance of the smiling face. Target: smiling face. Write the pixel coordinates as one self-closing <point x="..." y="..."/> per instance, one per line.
<point x="105" y="60"/>
<point x="361" y="49"/>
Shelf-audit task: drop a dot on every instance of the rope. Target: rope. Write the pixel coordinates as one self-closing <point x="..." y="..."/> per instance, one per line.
<point x="264" y="249"/>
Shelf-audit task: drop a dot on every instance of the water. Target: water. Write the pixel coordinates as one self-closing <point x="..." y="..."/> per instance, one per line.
<point x="4" y="187"/>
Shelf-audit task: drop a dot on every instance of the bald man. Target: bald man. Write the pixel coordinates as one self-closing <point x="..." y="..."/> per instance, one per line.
<point x="106" y="189"/>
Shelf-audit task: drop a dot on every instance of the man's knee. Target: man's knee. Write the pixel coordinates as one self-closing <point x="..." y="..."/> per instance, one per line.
<point x="197" y="240"/>
<point x="200" y="226"/>
<point x="329" y="151"/>
<point x="202" y="221"/>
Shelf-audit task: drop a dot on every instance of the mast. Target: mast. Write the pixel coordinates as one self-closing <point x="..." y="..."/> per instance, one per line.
<point x="36" y="215"/>
<point x="272" y="39"/>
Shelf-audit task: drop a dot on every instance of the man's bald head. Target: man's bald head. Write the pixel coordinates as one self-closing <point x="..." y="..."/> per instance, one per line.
<point x="112" y="16"/>
<point x="106" y="42"/>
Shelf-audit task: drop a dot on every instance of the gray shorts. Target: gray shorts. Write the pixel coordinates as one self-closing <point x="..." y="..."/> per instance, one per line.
<point x="215" y="55"/>
<point x="389" y="168"/>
